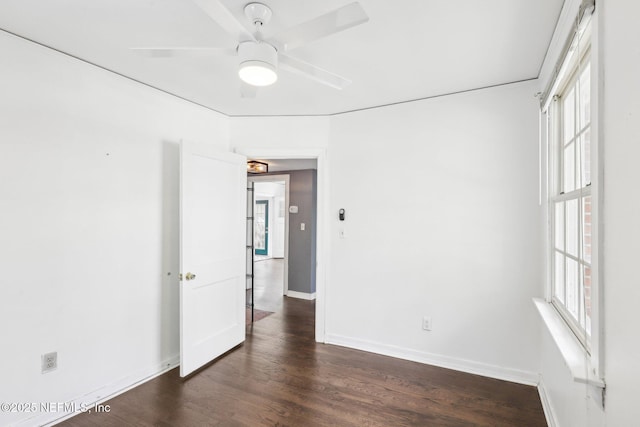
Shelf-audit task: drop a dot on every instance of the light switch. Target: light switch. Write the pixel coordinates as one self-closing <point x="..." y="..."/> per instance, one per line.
<point x="302" y="226"/>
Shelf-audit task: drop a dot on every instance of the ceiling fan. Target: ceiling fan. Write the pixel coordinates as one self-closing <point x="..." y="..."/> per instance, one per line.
<point x="259" y="58"/>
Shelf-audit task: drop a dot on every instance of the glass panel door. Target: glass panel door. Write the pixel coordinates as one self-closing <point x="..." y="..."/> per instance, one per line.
<point x="261" y="215"/>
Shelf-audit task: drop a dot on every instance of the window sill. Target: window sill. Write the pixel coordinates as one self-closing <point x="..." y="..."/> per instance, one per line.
<point x="573" y="353"/>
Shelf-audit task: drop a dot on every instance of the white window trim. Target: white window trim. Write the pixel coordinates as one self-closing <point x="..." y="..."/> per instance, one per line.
<point x="572" y="350"/>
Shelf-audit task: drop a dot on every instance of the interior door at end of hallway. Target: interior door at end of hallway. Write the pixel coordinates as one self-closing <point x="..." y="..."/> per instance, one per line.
<point x="261" y="215"/>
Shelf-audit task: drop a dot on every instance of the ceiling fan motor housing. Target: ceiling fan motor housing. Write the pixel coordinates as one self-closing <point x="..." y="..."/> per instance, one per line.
<point x="258" y="63"/>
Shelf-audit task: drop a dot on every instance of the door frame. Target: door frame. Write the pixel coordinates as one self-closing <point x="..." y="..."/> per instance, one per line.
<point x="287" y="179"/>
<point x="322" y="226"/>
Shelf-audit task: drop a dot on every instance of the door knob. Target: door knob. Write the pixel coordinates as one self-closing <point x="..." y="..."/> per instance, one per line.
<point x="190" y="276"/>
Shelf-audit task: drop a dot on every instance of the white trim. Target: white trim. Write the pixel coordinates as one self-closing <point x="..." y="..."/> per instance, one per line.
<point x="104" y="393"/>
<point x="549" y="413"/>
<point x="540" y="132"/>
<point x="462" y="365"/>
<point x="286" y="178"/>
<point x="301" y="295"/>
<point x="573" y="353"/>
<point x="563" y="31"/>
<point x="322" y="215"/>
<point x="546" y="213"/>
<point x="597" y="205"/>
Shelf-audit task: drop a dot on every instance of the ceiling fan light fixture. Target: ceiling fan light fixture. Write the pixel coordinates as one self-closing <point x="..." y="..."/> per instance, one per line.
<point x="258" y="63"/>
<point x="257" y="73"/>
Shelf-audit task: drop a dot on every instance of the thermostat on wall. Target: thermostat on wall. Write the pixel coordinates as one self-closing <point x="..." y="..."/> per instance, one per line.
<point x="293" y="209"/>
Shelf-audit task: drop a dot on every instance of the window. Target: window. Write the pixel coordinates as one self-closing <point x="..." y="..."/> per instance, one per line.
<point x="571" y="197"/>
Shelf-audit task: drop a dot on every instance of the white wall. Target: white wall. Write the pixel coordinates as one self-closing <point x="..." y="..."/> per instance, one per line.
<point x="447" y="226"/>
<point x="88" y="202"/>
<point x="442" y="220"/>
<point x="569" y="401"/>
<point x="268" y="133"/>
<point x="621" y="55"/>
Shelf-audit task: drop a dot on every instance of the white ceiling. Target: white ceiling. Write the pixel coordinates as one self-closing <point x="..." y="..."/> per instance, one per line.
<point x="409" y="49"/>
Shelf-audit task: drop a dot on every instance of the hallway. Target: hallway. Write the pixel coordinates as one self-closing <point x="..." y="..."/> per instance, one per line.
<point x="269" y="284"/>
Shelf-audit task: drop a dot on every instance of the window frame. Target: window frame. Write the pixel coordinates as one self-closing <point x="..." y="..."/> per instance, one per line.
<point x="574" y="67"/>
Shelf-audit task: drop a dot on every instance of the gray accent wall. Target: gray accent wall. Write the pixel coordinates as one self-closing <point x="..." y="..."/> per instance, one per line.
<point x="302" y="244"/>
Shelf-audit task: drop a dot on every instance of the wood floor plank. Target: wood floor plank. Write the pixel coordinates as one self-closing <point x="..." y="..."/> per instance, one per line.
<point x="281" y="377"/>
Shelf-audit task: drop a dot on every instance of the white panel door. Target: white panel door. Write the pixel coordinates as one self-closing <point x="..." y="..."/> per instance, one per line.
<point x="212" y="254"/>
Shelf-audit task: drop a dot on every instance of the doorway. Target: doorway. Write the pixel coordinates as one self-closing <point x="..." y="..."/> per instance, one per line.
<point x="317" y="159"/>
<point x="271" y="245"/>
<point x="301" y="213"/>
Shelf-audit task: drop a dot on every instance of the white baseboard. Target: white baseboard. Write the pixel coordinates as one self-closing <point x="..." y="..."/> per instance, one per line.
<point x="549" y="414"/>
<point x="463" y="365"/>
<point x="301" y="295"/>
<point x="109" y="391"/>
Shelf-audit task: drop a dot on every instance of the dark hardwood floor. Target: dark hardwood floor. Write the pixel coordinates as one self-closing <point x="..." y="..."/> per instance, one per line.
<point x="281" y="377"/>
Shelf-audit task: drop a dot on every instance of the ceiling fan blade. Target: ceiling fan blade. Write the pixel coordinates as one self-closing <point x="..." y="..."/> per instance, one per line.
<point x="340" y="19"/>
<point x="221" y="15"/>
<point x="311" y="71"/>
<point x="176" y="52"/>
<point x="247" y="90"/>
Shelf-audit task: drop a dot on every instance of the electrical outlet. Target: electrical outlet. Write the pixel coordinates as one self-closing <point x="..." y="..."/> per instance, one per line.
<point x="49" y="362"/>
<point x="426" y="323"/>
